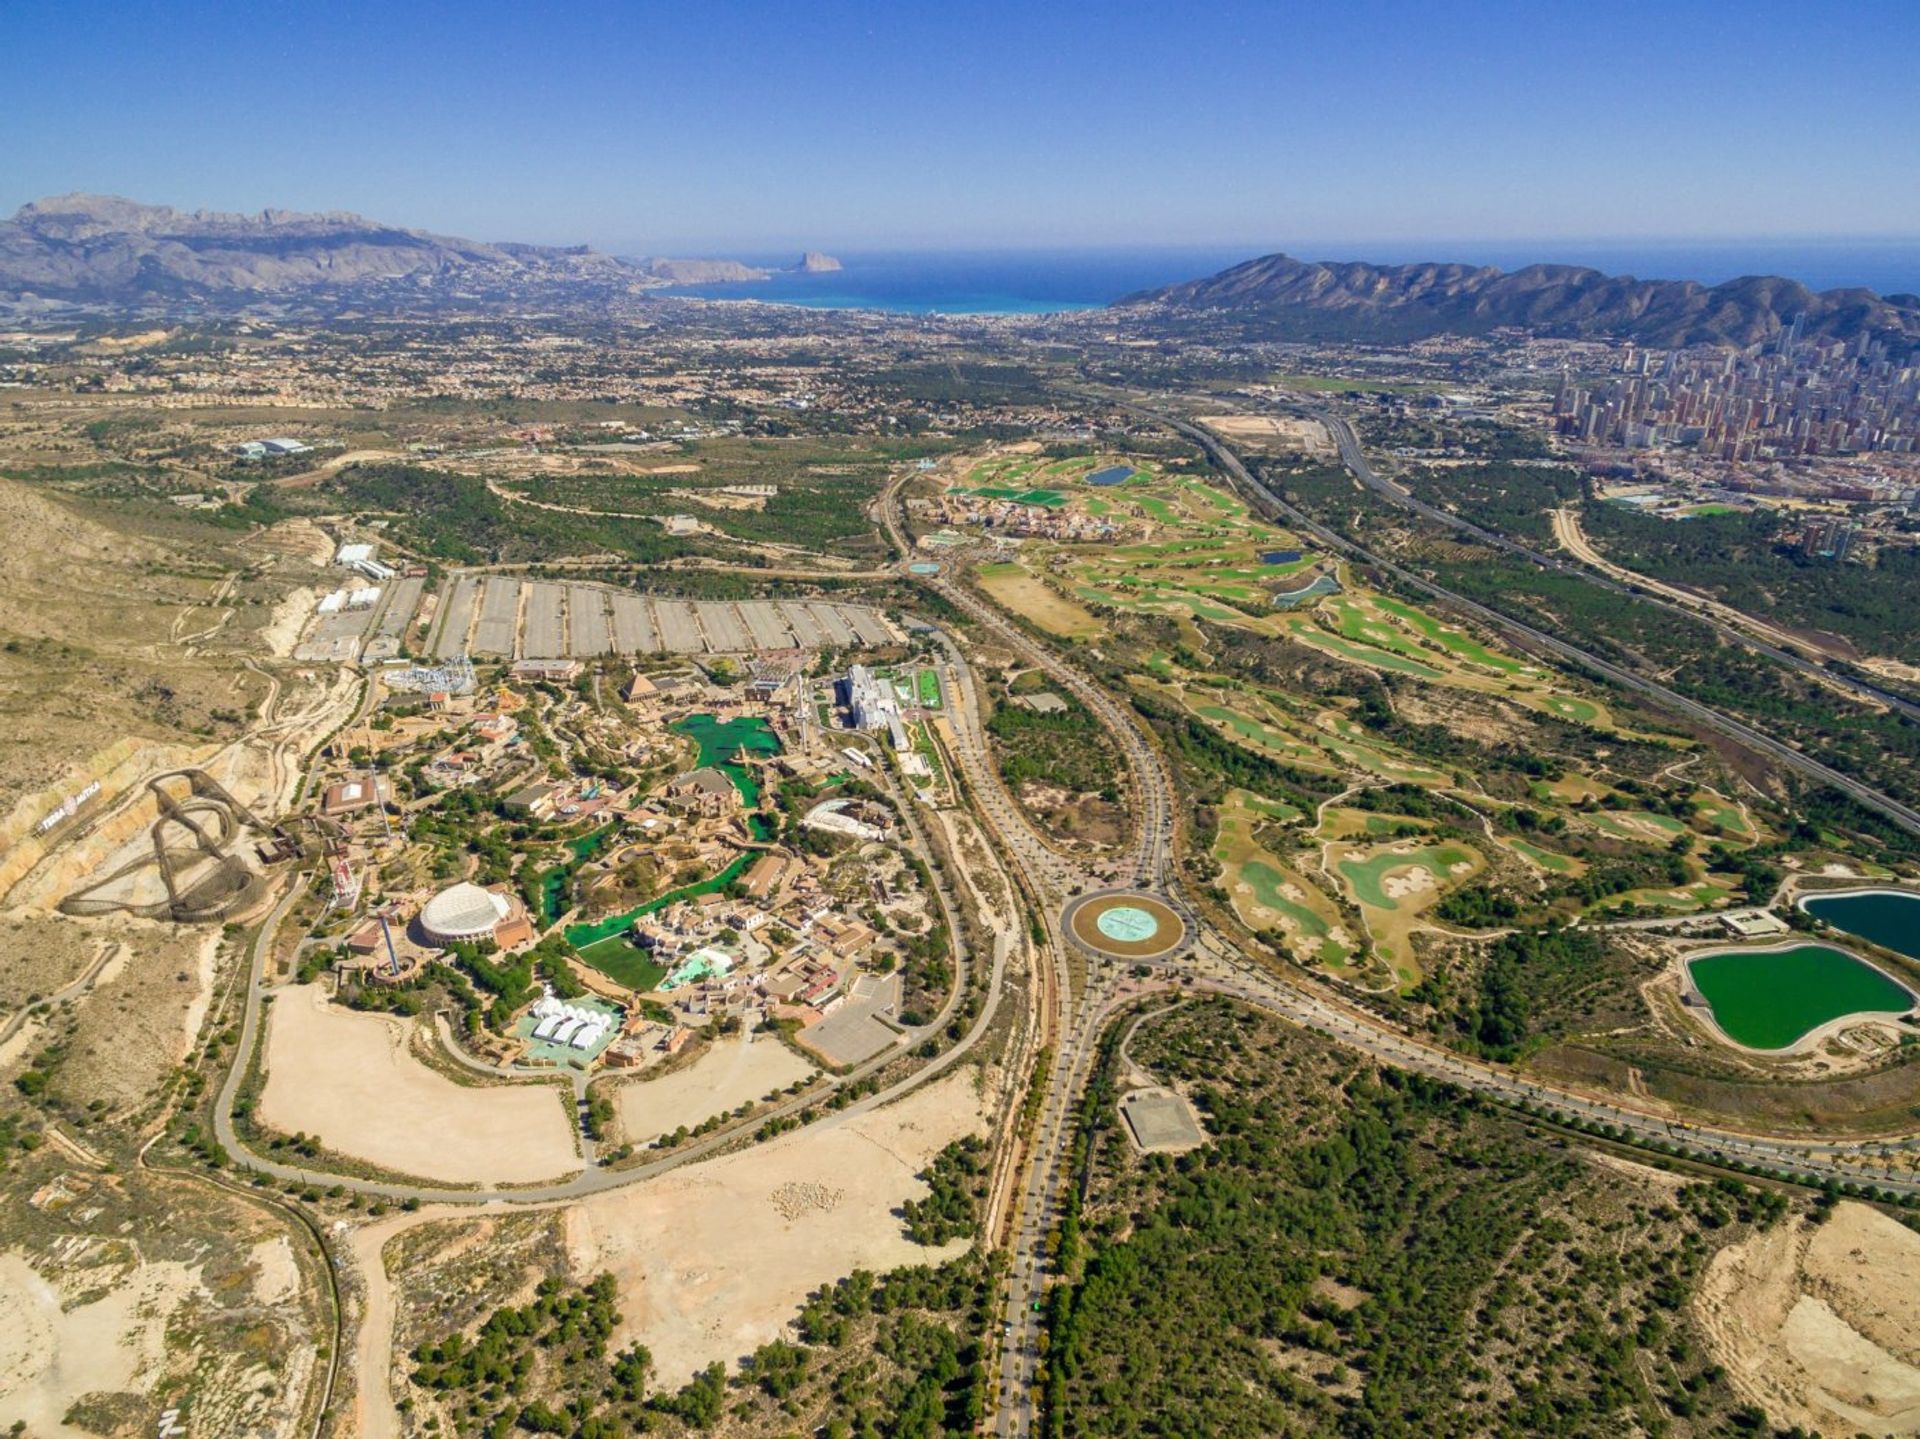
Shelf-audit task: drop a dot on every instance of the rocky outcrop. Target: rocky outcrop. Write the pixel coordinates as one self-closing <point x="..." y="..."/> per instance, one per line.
<point x="815" y="263"/>
<point x="703" y="272"/>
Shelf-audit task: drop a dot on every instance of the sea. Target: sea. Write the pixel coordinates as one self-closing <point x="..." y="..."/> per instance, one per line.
<point x="1028" y="282"/>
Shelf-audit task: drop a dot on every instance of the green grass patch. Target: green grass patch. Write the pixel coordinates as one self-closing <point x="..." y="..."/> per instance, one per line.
<point x="1367" y="876"/>
<point x="624" y="963"/>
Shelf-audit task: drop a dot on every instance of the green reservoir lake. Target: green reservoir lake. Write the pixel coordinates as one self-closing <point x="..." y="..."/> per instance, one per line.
<point x="1768" y="998"/>
<point x="1886" y="917"/>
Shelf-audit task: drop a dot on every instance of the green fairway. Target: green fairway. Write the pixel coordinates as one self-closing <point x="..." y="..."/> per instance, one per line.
<point x="1267" y="738"/>
<point x="1545" y="858"/>
<point x="1265" y="882"/>
<point x="1638" y="824"/>
<point x="1367" y="654"/>
<point x="1569" y="708"/>
<point x="1450" y="639"/>
<point x="1367" y="877"/>
<point x="1723" y="816"/>
<point x="1768" y="999"/>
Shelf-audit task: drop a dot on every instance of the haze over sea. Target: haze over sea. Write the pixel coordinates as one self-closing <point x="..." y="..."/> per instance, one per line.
<point x="1021" y="282"/>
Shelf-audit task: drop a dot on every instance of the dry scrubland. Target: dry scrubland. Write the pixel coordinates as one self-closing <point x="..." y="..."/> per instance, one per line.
<point x="352" y="1081"/>
<point x="117" y="635"/>
<point x="132" y="1028"/>
<point x="712" y="1259"/>
<point x="120" y="1296"/>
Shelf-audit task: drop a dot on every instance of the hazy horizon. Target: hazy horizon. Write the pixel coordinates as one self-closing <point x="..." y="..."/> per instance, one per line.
<point x="754" y="127"/>
<point x="1710" y="258"/>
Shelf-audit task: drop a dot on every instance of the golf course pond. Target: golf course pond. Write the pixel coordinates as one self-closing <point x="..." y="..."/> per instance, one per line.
<point x="1889" y="918"/>
<point x="1773" y="998"/>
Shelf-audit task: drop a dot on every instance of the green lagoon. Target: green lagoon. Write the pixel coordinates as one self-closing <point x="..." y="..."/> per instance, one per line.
<point x="1769" y="998"/>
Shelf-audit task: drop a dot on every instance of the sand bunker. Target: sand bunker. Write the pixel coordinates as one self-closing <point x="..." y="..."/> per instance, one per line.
<point x="732" y="1072"/>
<point x="1820" y="1324"/>
<point x="349" y="1080"/>
<point x="714" y="1259"/>
<point x="1405" y="883"/>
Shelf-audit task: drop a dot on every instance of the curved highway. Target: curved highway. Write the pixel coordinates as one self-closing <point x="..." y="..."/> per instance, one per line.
<point x="595" y="1178"/>
<point x="1214" y="964"/>
<point x="1902" y="814"/>
<point x="1356" y="461"/>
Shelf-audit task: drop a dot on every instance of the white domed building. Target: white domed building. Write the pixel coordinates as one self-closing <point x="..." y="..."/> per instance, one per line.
<point x="464" y="912"/>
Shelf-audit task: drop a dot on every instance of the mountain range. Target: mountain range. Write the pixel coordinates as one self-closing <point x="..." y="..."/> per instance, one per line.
<point x="1280" y="297"/>
<point x="102" y="251"/>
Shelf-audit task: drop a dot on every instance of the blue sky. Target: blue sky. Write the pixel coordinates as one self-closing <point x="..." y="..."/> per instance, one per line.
<point x="754" y="127"/>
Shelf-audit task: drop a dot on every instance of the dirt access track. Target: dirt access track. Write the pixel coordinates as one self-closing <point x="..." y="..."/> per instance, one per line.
<point x="1571" y="538"/>
<point x="1820" y="1323"/>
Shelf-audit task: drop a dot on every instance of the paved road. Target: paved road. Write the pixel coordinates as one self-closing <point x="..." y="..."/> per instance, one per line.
<point x="1215" y="965"/>
<point x="1906" y="816"/>
<point x="1212" y="964"/>
<point x="595" y="1178"/>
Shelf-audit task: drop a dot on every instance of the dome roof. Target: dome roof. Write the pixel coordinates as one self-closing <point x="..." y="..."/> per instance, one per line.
<point x="464" y="911"/>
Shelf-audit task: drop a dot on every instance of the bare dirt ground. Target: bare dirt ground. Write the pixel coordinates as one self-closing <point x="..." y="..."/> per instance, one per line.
<point x="733" y="1071"/>
<point x="1820" y="1324"/>
<point x="123" y="1292"/>
<point x="352" y="1082"/>
<point x="51" y="1355"/>
<point x="1273" y="432"/>
<point x="714" y="1259"/>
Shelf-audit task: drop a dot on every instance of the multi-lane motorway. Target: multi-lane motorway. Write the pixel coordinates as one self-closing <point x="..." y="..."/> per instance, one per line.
<point x="1356" y="461"/>
<point x="1538" y="639"/>
<point x="1215" y="964"/>
<point x="1081" y="1011"/>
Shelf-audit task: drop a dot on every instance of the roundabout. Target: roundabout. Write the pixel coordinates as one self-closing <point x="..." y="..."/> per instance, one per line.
<point x="1125" y="924"/>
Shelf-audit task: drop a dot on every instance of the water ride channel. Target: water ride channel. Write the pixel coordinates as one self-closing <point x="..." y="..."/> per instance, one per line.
<point x="604" y="943"/>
